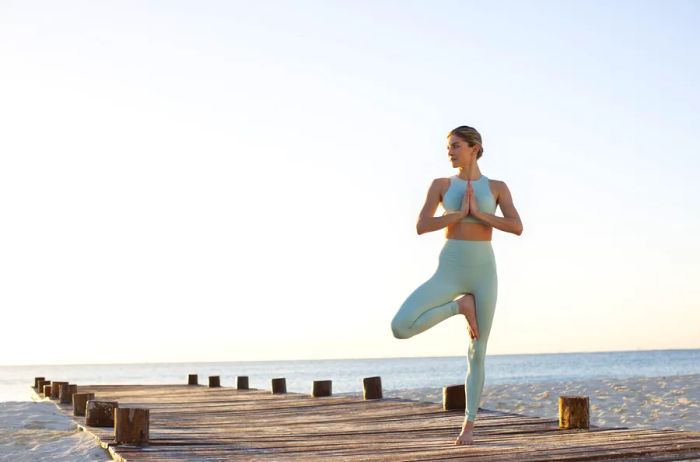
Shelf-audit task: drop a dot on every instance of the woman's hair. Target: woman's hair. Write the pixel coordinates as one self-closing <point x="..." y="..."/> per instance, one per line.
<point x="470" y="135"/>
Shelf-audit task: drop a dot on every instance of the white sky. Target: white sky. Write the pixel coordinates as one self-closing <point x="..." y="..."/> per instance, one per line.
<point x="240" y="180"/>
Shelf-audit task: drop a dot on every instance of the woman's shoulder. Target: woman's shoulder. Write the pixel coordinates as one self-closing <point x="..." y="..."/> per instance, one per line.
<point x="498" y="184"/>
<point x="440" y="182"/>
<point x="499" y="189"/>
<point x="439" y="187"/>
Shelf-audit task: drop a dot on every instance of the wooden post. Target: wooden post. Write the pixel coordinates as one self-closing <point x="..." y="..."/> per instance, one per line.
<point x="279" y="385"/>
<point x="55" y="389"/>
<point x="453" y="397"/>
<point x="192" y="379"/>
<point x="36" y="382"/>
<point x="80" y="401"/>
<point x="131" y="425"/>
<point x="242" y="382"/>
<point x="372" y="387"/>
<point x="574" y="412"/>
<point x="100" y="413"/>
<point x="214" y="381"/>
<point x="322" y="388"/>
<point x="47" y="390"/>
<point x="40" y="387"/>
<point x="65" y="393"/>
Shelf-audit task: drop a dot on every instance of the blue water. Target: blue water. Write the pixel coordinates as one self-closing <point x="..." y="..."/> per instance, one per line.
<point x="347" y="374"/>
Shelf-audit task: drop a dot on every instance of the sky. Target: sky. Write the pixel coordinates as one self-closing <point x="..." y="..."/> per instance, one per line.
<point x="214" y="181"/>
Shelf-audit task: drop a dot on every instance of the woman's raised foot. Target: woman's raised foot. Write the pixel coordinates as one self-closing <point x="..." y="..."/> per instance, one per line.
<point x="467" y="307"/>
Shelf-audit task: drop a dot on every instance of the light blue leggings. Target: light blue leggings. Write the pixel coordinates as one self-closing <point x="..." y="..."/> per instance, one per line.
<point x="465" y="267"/>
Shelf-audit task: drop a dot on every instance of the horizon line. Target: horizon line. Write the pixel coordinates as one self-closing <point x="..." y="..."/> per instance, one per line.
<point x="119" y="363"/>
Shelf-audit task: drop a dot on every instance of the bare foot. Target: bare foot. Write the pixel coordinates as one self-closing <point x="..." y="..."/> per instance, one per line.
<point x="467" y="435"/>
<point x="467" y="307"/>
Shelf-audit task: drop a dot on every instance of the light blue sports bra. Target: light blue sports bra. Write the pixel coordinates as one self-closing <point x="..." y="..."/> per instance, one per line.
<point x="452" y="200"/>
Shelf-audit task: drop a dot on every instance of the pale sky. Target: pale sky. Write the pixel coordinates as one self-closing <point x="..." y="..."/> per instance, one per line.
<point x="211" y="181"/>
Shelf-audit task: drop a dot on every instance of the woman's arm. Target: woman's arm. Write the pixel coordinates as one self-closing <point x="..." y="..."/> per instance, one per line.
<point x="510" y="222"/>
<point x="426" y="221"/>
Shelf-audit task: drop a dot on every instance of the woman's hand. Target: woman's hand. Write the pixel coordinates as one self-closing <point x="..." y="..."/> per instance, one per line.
<point x="510" y="221"/>
<point x="471" y="198"/>
<point x="464" y="209"/>
<point x="427" y="222"/>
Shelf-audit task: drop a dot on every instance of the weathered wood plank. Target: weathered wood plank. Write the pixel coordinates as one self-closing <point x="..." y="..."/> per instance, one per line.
<point x="211" y="424"/>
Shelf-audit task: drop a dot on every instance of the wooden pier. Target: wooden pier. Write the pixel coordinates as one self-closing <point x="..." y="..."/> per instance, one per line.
<point x="198" y="423"/>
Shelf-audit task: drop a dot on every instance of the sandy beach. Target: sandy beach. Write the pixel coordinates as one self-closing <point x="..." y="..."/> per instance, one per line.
<point x="659" y="402"/>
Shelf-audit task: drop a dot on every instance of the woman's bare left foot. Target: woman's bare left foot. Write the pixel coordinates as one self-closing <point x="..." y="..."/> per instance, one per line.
<point x="466" y="438"/>
<point x="467" y="307"/>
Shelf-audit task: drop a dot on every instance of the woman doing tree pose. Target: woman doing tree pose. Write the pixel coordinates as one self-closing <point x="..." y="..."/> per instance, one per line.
<point x="467" y="266"/>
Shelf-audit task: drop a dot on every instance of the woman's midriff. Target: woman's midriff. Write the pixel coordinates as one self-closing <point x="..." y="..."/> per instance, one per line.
<point x="469" y="232"/>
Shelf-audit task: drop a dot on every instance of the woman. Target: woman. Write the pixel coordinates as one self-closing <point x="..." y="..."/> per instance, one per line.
<point x="467" y="267"/>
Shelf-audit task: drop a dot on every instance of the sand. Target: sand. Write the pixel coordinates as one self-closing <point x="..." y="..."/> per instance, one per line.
<point x="35" y="432"/>
<point x="650" y="402"/>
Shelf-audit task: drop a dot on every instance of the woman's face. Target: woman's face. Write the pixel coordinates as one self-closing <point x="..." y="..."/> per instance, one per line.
<point x="459" y="151"/>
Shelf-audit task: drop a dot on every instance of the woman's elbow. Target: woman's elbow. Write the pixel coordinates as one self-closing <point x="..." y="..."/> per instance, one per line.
<point x="518" y="229"/>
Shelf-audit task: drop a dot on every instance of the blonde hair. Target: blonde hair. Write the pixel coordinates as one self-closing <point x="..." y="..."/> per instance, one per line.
<point x="470" y="135"/>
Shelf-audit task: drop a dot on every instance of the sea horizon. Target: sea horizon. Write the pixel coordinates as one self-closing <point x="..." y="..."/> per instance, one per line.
<point x="120" y="363"/>
<point x="397" y="373"/>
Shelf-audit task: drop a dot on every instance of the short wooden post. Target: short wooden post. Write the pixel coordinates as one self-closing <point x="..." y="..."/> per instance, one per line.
<point x="192" y="379"/>
<point x="36" y="382"/>
<point x="65" y="393"/>
<point x="574" y="412"/>
<point x="279" y="385"/>
<point x="242" y="382"/>
<point x="453" y="397"/>
<point x="100" y="413"/>
<point x="131" y="425"/>
<point x="47" y="390"/>
<point x="214" y="381"/>
<point x="56" y="388"/>
<point x="372" y="387"/>
<point x="40" y="387"/>
<point x="322" y="388"/>
<point x="80" y="401"/>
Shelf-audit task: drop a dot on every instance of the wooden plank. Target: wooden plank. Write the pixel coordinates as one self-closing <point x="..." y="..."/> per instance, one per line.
<point x="196" y="422"/>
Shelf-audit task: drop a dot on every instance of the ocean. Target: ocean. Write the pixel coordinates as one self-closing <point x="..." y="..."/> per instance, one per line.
<point x="397" y="373"/>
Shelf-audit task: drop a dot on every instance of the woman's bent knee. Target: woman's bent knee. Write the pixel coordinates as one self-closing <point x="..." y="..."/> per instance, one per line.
<point x="400" y="330"/>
